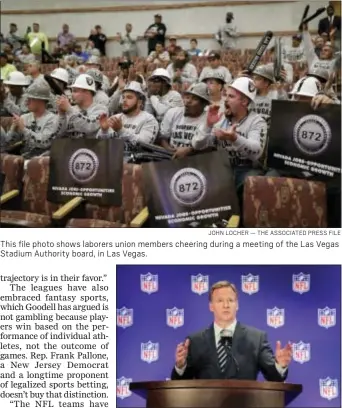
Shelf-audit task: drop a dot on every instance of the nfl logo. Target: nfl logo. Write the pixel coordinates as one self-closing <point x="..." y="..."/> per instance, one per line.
<point x="175" y="317"/>
<point x="328" y="388"/>
<point x="275" y="317"/>
<point x="250" y="284"/>
<point x="149" y="283"/>
<point x="149" y="352"/>
<point x="124" y="317"/>
<point x="122" y="387"/>
<point x="326" y="317"/>
<point x="301" y="352"/>
<point x="301" y="283"/>
<point x="200" y="284"/>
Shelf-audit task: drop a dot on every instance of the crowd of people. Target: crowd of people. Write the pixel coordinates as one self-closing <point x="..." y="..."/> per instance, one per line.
<point x="183" y="100"/>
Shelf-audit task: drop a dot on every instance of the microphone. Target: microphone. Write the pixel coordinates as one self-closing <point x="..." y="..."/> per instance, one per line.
<point x="227" y="340"/>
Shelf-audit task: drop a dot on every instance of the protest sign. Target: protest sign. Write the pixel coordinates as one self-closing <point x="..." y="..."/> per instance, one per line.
<point x="86" y="168"/>
<point x="191" y="192"/>
<point x="304" y="139"/>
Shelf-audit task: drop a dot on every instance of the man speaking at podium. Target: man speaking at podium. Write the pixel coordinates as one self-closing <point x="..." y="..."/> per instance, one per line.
<point x="228" y="349"/>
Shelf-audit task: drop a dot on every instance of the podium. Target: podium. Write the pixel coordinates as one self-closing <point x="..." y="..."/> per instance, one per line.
<point x="216" y="393"/>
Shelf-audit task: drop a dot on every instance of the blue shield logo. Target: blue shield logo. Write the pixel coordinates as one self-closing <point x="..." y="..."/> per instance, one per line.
<point x="250" y="284"/>
<point x="328" y="388"/>
<point x="149" y="283"/>
<point x="301" y="352"/>
<point x="124" y="317"/>
<point x="327" y="317"/>
<point x="200" y="284"/>
<point x="122" y="387"/>
<point x="275" y="317"/>
<point x="301" y="283"/>
<point x="149" y="352"/>
<point x="175" y="317"/>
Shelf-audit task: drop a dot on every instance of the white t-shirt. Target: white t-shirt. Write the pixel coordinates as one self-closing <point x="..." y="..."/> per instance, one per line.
<point x="313" y="60"/>
<point x="293" y="54"/>
<point x="180" y="129"/>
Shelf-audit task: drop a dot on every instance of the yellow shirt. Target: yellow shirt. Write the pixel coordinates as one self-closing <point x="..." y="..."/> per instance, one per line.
<point x="36" y="40"/>
<point x="6" y="70"/>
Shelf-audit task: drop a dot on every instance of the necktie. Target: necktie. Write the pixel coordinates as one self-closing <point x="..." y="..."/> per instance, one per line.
<point x="222" y="355"/>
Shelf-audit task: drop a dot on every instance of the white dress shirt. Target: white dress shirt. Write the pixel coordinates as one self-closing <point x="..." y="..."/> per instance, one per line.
<point x="217" y="331"/>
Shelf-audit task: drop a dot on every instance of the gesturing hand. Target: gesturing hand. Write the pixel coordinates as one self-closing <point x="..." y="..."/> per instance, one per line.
<point x="18" y="122"/>
<point x="226" y="134"/>
<point x="63" y="104"/>
<point x="115" y="123"/>
<point x="283" y="356"/>
<point x="213" y="115"/>
<point x="182" y="353"/>
<point x="104" y="122"/>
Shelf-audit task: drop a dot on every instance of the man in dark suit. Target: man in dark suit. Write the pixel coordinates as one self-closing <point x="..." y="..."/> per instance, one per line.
<point x="208" y="354"/>
<point x="330" y="24"/>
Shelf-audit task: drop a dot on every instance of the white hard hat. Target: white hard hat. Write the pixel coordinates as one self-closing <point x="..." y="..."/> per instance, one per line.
<point x="307" y="86"/>
<point x="161" y="73"/>
<point x="135" y="87"/>
<point x="84" y="81"/>
<point x="61" y="74"/>
<point x="246" y="86"/>
<point x="17" y="78"/>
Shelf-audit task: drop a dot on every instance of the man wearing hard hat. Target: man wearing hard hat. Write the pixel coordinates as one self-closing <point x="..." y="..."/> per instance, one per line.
<point x="181" y="124"/>
<point x="95" y="62"/>
<point x="15" y="100"/>
<point x="161" y="96"/>
<point x="324" y="78"/>
<point x="215" y="64"/>
<point x="216" y="82"/>
<point x="133" y="125"/>
<point x="240" y="132"/>
<point x="60" y="77"/>
<point x="37" y="128"/>
<point x="82" y="120"/>
<point x="101" y="97"/>
<point x="263" y="79"/>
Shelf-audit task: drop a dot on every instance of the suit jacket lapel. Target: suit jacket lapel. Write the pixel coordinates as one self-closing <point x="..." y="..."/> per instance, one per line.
<point x="238" y="339"/>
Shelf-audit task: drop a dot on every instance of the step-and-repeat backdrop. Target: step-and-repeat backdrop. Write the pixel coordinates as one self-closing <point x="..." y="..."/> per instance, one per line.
<point x="158" y="306"/>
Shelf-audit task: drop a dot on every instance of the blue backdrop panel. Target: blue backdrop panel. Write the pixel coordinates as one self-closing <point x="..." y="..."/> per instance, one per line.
<point x="300" y="304"/>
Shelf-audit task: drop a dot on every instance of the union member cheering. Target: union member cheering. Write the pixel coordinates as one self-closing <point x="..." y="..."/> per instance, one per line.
<point x="241" y="133"/>
<point x="181" y="124"/>
<point x="37" y="128"/>
<point x="133" y="125"/>
<point x="228" y="348"/>
<point x="81" y="121"/>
